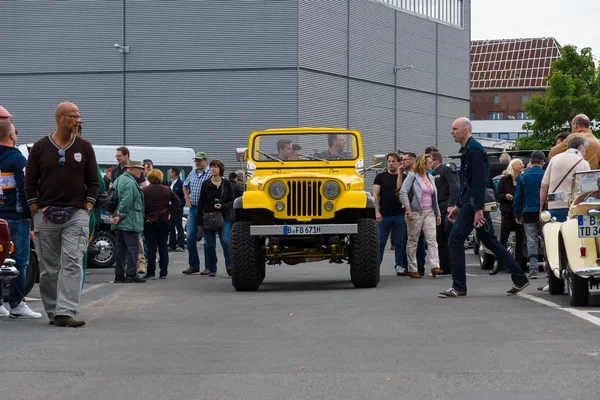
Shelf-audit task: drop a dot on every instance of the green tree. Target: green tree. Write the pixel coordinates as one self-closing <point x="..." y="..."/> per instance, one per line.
<point x="573" y="88"/>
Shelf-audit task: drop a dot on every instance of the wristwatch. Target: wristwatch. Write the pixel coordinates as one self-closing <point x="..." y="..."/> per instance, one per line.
<point x="89" y="210"/>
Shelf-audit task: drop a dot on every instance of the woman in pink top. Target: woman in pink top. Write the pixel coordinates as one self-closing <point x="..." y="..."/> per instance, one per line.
<point x="422" y="214"/>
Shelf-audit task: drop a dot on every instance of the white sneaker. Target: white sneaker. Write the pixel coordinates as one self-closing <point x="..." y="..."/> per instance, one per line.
<point x="3" y="311"/>
<point x="546" y="288"/>
<point x="23" y="311"/>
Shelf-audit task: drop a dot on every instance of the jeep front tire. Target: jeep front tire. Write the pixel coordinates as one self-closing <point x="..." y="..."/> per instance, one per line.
<point x="247" y="263"/>
<point x="364" y="255"/>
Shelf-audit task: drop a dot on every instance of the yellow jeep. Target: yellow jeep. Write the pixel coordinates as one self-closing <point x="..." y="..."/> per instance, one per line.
<point x="305" y="202"/>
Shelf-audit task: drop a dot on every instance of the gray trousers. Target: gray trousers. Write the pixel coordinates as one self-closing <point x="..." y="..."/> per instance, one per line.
<point x="60" y="249"/>
<point x="532" y="234"/>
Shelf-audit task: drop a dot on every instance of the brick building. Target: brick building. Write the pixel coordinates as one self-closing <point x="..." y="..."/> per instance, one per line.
<point x="504" y="74"/>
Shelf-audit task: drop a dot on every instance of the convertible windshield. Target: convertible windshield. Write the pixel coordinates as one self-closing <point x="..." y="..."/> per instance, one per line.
<point x="325" y="147"/>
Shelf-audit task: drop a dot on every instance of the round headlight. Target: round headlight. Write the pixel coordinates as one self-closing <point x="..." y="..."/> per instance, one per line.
<point x="277" y="190"/>
<point x="331" y="190"/>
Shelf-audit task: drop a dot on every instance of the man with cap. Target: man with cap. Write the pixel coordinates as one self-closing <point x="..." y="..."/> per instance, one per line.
<point x="526" y="206"/>
<point x="128" y="222"/>
<point x="191" y="190"/>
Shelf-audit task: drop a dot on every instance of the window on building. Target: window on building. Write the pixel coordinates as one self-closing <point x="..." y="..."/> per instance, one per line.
<point x="472" y="116"/>
<point x="496" y="115"/>
<point x="496" y="99"/>
<point x="447" y="11"/>
<point x="503" y="136"/>
<point x="523" y="115"/>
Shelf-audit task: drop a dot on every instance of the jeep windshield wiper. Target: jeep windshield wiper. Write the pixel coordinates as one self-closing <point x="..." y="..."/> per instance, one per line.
<point x="270" y="156"/>
<point x="312" y="157"/>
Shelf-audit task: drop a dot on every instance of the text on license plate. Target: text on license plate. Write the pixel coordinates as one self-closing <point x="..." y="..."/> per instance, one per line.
<point x="301" y="230"/>
<point x="588" y="226"/>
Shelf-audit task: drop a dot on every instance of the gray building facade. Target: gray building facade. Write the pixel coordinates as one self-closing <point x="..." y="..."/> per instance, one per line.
<point x="204" y="74"/>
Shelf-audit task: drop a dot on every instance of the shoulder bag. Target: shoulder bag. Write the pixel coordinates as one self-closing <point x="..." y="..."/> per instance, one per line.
<point x="213" y="221"/>
<point x="489" y="199"/>
<point x="112" y="199"/>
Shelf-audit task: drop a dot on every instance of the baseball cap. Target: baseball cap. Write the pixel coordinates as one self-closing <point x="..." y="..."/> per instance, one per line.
<point x="200" y="155"/>
<point x="4" y="114"/>
<point x="538" y="155"/>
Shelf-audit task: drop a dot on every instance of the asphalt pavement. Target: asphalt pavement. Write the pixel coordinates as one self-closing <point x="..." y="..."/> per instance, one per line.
<point x="306" y="334"/>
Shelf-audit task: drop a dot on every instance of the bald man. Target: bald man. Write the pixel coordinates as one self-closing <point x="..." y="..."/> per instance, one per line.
<point x="468" y="214"/>
<point x="61" y="186"/>
<point x="580" y="126"/>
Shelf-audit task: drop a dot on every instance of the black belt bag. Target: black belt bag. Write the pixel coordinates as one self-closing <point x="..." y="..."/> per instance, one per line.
<point x="60" y="215"/>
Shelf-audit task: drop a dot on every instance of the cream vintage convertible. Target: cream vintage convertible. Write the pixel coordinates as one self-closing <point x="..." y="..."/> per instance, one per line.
<point x="573" y="247"/>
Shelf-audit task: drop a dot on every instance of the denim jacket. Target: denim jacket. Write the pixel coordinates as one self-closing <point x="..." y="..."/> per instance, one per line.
<point x="475" y="169"/>
<point x="527" y="192"/>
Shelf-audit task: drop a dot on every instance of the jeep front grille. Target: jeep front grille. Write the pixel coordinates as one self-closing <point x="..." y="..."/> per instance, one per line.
<point x="304" y="199"/>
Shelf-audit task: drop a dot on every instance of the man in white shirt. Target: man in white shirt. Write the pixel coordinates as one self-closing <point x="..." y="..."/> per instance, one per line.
<point x="559" y="177"/>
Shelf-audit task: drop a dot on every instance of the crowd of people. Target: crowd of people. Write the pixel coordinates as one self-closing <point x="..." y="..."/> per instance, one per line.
<point x="420" y="201"/>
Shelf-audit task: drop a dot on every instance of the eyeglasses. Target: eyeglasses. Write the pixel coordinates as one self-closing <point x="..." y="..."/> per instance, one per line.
<point x="73" y="116"/>
<point x="61" y="160"/>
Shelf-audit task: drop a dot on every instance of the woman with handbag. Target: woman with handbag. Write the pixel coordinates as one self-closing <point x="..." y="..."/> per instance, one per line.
<point x="161" y="203"/>
<point x="504" y="197"/>
<point x="422" y="214"/>
<point x="215" y="215"/>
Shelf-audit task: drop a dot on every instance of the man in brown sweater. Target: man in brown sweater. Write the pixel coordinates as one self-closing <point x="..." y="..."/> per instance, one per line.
<point x="61" y="186"/>
<point x="580" y="126"/>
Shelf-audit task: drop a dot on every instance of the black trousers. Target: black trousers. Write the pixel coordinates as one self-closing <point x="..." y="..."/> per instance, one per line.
<point x="510" y="225"/>
<point x="442" y="235"/>
<point x="176" y="232"/>
<point x="156" y="236"/>
<point x="126" y="251"/>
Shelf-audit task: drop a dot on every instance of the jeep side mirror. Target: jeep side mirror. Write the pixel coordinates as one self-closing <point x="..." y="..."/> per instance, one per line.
<point x="379" y="159"/>
<point x="241" y="154"/>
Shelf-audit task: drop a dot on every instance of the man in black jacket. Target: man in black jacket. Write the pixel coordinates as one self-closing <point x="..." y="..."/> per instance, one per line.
<point x="447" y="185"/>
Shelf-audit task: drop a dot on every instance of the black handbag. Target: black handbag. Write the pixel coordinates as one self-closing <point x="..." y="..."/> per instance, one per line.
<point x="112" y="199"/>
<point x="60" y="215"/>
<point x="213" y="221"/>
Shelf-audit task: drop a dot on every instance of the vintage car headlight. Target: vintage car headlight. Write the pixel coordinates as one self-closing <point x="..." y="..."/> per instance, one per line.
<point x="331" y="190"/>
<point x="277" y="190"/>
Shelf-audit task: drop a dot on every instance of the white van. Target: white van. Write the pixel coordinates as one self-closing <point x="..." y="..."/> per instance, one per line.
<point x="163" y="158"/>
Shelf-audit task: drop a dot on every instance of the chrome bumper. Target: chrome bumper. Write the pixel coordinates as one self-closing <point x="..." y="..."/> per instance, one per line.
<point x="325" y="229"/>
<point x="8" y="270"/>
<point x="588" y="272"/>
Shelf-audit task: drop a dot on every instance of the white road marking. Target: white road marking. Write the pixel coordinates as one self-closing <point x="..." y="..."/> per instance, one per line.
<point x="585" y="315"/>
<point x="92" y="287"/>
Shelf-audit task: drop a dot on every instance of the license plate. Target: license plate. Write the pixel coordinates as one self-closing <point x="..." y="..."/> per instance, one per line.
<point x="588" y="226"/>
<point x="301" y="229"/>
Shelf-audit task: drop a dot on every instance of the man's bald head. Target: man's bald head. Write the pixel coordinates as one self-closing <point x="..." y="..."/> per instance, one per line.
<point x="581" y="121"/>
<point x="67" y="118"/>
<point x="65" y="108"/>
<point x="464" y="123"/>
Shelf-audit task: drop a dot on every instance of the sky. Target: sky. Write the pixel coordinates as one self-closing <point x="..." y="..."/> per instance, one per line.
<point x="569" y="22"/>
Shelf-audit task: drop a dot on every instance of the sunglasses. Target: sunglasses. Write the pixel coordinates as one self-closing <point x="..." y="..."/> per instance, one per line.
<point x="61" y="160"/>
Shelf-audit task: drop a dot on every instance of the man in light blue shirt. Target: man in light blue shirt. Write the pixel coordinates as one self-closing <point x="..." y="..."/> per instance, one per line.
<point x="191" y="190"/>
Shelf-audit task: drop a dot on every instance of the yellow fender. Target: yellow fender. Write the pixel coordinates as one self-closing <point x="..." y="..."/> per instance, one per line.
<point x="569" y="233"/>
<point x="551" y="233"/>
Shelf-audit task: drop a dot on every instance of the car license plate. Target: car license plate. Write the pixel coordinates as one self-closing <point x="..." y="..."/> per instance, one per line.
<point x="589" y="226"/>
<point x="301" y="229"/>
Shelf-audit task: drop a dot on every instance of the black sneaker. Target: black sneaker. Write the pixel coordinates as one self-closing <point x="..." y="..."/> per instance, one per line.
<point x="134" y="279"/>
<point x="149" y="277"/>
<point x="162" y="277"/>
<point x="451" y="293"/>
<point x="119" y="279"/>
<point x="229" y="271"/>
<point x="516" y="288"/>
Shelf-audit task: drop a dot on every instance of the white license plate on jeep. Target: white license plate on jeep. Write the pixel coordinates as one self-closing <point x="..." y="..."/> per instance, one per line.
<point x="301" y="229"/>
<point x="588" y="226"/>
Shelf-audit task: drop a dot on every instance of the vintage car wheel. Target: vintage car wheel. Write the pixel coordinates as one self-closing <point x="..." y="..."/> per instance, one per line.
<point x="364" y="255"/>
<point x="579" y="289"/>
<point x="247" y="263"/>
<point x="106" y="242"/>
<point x="486" y="261"/>
<point x="33" y="273"/>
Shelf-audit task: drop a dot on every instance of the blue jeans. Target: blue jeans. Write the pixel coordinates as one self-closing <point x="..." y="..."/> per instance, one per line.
<point x="19" y="234"/>
<point x="192" y="240"/>
<point x="210" y="247"/>
<point x="460" y="231"/>
<point x="395" y="224"/>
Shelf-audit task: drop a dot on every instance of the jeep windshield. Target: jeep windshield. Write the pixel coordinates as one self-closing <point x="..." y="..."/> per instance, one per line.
<point x="308" y="147"/>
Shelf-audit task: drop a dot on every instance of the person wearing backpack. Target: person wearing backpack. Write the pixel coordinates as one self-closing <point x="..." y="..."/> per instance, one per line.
<point x="127" y="221"/>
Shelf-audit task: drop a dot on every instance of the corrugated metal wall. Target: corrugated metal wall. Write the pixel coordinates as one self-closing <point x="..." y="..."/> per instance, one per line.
<point x="204" y="74"/>
<point x="348" y="51"/>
